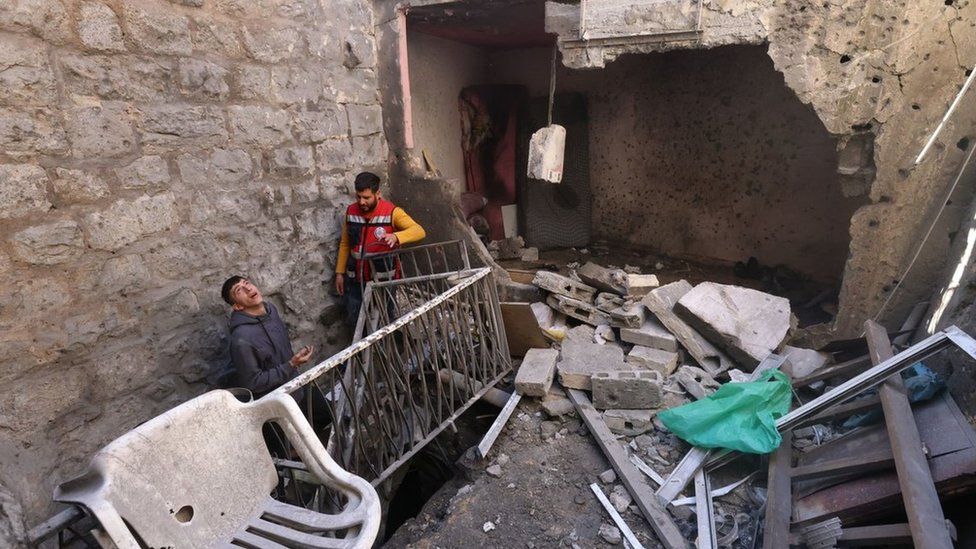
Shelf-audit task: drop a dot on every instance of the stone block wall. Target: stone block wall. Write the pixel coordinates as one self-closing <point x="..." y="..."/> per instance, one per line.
<point x="148" y="149"/>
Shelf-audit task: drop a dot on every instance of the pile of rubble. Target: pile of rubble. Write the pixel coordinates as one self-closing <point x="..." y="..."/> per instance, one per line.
<point x="623" y="348"/>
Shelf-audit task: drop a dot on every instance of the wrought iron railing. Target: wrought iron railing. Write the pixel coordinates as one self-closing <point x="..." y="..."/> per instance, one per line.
<point x="435" y="345"/>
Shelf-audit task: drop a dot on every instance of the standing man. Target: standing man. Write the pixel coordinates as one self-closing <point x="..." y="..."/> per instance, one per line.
<point x="259" y="344"/>
<point x="372" y="226"/>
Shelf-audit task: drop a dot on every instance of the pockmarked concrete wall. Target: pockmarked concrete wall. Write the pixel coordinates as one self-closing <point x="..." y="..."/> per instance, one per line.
<point x="880" y="75"/>
<point x="707" y="154"/>
<point x="149" y="149"/>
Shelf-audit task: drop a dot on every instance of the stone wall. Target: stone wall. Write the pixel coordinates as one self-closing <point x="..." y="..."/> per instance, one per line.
<point x="879" y="75"/>
<point x="148" y="149"/>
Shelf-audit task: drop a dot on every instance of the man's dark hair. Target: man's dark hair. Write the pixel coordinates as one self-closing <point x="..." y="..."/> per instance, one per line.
<point x="228" y="286"/>
<point x="367" y="180"/>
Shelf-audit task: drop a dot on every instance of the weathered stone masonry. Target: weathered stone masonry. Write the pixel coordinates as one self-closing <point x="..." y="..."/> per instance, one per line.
<point x="148" y="148"/>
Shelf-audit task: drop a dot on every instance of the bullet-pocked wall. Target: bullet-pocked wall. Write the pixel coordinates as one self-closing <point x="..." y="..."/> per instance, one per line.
<point x="704" y="153"/>
<point x="149" y="149"/>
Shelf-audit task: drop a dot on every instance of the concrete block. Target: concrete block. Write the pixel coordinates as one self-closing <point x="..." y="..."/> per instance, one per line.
<point x="630" y="315"/>
<point x="747" y="324"/>
<point x="697" y="382"/>
<point x="563" y="285"/>
<point x="534" y="377"/>
<point x="641" y="284"/>
<point x="802" y="362"/>
<point x="610" y="280"/>
<point x="629" y="422"/>
<point x="651" y="334"/>
<point x="607" y="301"/>
<point x="664" y="362"/>
<point x="546" y="149"/>
<point x="556" y="404"/>
<point x="579" y="310"/>
<point x="579" y="360"/>
<point x="661" y="303"/>
<point x="637" y="389"/>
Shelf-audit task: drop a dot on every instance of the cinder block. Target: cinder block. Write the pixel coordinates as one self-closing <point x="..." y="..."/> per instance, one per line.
<point x="635" y="390"/>
<point x="563" y="285"/>
<point x="580" y="360"/>
<point x="651" y="334"/>
<point x="579" y="310"/>
<point x="534" y="377"/>
<point x="664" y="362"/>
<point x="629" y="422"/>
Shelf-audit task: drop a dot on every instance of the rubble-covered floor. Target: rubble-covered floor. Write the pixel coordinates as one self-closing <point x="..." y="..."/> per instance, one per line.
<point x="541" y="497"/>
<point x="812" y="301"/>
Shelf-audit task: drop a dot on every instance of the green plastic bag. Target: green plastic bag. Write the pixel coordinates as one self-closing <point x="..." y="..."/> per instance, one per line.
<point x="739" y="416"/>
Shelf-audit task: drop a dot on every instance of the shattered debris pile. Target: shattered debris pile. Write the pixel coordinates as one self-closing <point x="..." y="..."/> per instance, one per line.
<point x="618" y="349"/>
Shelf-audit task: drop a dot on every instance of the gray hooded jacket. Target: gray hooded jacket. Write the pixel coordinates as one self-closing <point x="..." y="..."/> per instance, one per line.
<point x="260" y="349"/>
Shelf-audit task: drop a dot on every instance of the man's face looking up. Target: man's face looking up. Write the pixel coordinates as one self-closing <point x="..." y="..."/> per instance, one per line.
<point x="367" y="200"/>
<point x="245" y="295"/>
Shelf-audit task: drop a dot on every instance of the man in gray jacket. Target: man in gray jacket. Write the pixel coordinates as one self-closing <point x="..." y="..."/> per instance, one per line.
<point x="259" y="344"/>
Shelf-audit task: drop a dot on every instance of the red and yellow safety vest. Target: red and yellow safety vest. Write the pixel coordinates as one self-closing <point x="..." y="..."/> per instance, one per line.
<point x="365" y="239"/>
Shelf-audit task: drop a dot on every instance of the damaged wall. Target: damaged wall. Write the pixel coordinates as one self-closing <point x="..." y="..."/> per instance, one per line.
<point x="148" y="149"/>
<point x="889" y="69"/>
<point x="442" y="69"/>
<point x="704" y="153"/>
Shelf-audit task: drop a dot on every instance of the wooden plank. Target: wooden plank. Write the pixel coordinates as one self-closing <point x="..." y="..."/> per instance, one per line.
<point x="779" y="505"/>
<point x="522" y="329"/>
<point x="878" y="461"/>
<point x="660" y="520"/>
<point x="705" y="512"/>
<point x="521" y="276"/>
<point x="879" y="535"/>
<point x="925" y="517"/>
<point x="496" y="428"/>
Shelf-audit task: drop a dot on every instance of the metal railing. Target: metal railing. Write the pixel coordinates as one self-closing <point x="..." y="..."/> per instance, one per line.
<point x="428" y="259"/>
<point x="435" y="345"/>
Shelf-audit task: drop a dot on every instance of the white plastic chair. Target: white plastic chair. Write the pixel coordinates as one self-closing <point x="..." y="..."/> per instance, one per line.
<point x="201" y="475"/>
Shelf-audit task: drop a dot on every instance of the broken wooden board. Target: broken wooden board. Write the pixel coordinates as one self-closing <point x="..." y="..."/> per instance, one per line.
<point x="660" y="520"/>
<point x="522" y="328"/>
<point x="779" y="503"/>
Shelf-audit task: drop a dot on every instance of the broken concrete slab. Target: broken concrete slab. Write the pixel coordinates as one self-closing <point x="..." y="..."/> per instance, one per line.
<point x="535" y="375"/>
<point x="802" y="362"/>
<point x="629" y="422"/>
<point x="650" y="334"/>
<point x="634" y="390"/>
<point x="697" y="382"/>
<point x="579" y="310"/>
<point x="746" y="323"/>
<point x="607" y="301"/>
<point x="629" y="315"/>
<point x="610" y="280"/>
<point x="563" y="285"/>
<point x="584" y="333"/>
<point x="661" y="303"/>
<point x="639" y="285"/>
<point x="664" y="362"/>
<point x="556" y="404"/>
<point x="580" y="360"/>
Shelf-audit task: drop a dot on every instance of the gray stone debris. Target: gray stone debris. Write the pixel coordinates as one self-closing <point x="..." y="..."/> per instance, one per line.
<point x="696" y="381"/>
<point x="620" y="498"/>
<point x="563" y="285"/>
<point x="629" y="422"/>
<point x="650" y="334"/>
<point x="579" y="310"/>
<point x="636" y="390"/>
<point x="494" y="470"/>
<point x="580" y="360"/>
<point x="608" y="476"/>
<point x="746" y="323"/>
<point x="661" y="302"/>
<point x="534" y="377"/>
<point x="641" y="284"/>
<point x="610" y="534"/>
<point x="802" y="362"/>
<point x="555" y="403"/>
<point x="610" y="280"/>
<point x="664" y="362"/>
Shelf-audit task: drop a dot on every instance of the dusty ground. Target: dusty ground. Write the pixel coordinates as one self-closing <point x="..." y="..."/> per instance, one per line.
<point x="542" y="496"/>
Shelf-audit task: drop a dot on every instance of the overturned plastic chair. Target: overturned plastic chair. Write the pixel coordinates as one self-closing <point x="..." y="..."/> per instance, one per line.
<point x="201" y="475"/>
